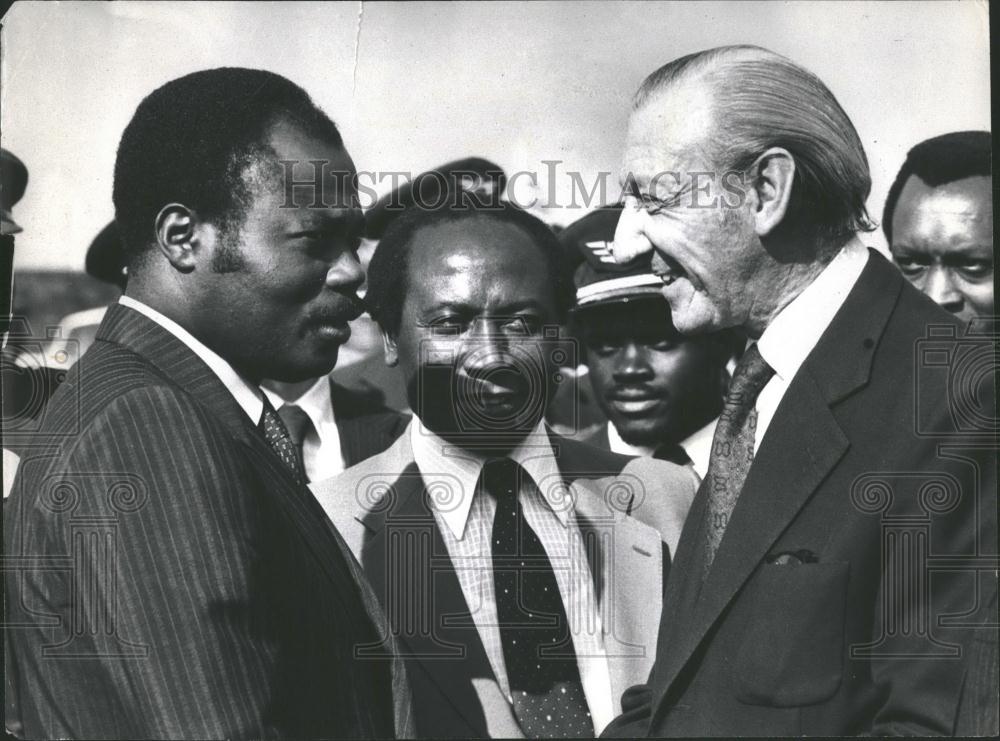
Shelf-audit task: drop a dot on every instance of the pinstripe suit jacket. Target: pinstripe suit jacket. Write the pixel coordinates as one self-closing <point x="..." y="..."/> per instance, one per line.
<point x="166" y="578"/>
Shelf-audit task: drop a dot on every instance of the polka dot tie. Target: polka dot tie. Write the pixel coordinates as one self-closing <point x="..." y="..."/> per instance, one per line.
<point x="281" y="442"/>
<point x="732" y="447"/>
<point x="537" y="644"/>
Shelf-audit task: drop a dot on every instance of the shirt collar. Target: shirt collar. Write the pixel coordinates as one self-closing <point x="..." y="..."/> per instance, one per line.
<point x="617" y="445"/>
<point x="794" y="332"/>
<point x="445" y="464"/>
<point x="699" y="447"/>
<point x="317" y="402"/>
<point x="247" y="395"/>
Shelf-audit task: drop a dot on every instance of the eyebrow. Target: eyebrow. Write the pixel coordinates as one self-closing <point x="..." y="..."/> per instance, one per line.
<point x="636" y="189"/>
<point x="500" y="311"/>
<point x="978" y="251"/>
<point x="331" y="219"/>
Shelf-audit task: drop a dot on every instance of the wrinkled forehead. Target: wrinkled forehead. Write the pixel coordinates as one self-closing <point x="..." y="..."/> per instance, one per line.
<point x="971" y="197"/>
<point x="670" y="129"/>
<point x="958" y="211"/>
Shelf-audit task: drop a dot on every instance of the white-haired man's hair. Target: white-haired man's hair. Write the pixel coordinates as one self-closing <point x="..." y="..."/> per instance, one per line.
<point x="760" y="100"/>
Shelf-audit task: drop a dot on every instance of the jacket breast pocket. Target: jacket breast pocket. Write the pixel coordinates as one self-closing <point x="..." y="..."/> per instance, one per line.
<point x="793" y="651"/>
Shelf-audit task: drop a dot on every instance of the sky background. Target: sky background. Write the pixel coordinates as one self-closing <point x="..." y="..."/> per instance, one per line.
<point x="413" y="85"/>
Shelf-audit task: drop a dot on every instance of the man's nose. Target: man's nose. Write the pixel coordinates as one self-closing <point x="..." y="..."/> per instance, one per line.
<point x="345" y="272"/>
<point x="631" y="363"/>
<point x="939" y="285"/>
<point x="485" y="347"/>
<point x="630" y="234"/>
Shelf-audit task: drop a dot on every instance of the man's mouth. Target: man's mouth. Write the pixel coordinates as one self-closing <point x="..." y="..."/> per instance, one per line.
<point x="633" y="403"/>
<point x="334" y="331"/>
<point x="333" y="324"/>
<point x="670" y="271"/>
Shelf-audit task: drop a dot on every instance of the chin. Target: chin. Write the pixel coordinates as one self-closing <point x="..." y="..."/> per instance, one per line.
<point x="643" y="436"/>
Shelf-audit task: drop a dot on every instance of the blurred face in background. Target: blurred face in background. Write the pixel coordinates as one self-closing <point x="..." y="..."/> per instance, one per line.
<point x="942" y="241"/>
<point x="655" y="385"/>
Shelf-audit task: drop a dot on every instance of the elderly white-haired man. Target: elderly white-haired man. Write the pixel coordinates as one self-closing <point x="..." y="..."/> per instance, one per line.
<point x="808" y="595"/>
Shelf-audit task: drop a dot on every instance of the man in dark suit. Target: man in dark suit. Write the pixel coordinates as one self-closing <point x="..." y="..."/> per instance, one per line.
<point x="521" y="571"/>
<point x="169" y="575"/>
<point x="334" y="427"/>
<point x="839" y="554"/>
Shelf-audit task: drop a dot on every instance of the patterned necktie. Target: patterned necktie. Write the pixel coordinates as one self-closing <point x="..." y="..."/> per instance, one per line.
<point x="544" y="678"/>
<point x="298" y="424"/>
<point x="280" y="441"/>
<point x="732" y="447"/>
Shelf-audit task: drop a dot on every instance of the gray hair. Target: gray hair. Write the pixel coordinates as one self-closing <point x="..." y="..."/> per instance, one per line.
<point x="761" y="100"/>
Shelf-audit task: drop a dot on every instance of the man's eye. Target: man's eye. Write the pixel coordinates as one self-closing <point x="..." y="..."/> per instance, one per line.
<point x="909" y="265"/>
<point x="977" y="269"/>
<point x="664" y="345"/>
<point x="604" y="348"/>
<point x="653" y="206"/>
<point x="523" y="325"/>
<point x="446" y="325"/>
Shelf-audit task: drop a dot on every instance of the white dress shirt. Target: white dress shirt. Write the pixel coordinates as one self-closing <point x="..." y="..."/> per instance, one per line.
<point x="466" y="523"/>
<point x="247" y="395"/>
<point x="794" y="332"/>
<point x="617" y="445"/>
<point x="698" y="446"/>
<point x="322" y="455"/>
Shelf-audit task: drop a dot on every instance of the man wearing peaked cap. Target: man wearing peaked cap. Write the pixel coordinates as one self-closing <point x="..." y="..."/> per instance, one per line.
<point x="661" y="391"/>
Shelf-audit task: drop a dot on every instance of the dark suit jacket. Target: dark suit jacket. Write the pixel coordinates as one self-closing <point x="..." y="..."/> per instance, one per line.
<point x="862" y="471"/>
<point x="166" y="578"/>
<point x="630" y="512"/>
<point x="365" y="425"/>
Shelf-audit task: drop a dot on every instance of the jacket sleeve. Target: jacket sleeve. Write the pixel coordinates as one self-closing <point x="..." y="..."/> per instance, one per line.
<point x="151" y="631"/>
<point x="925" y="616"/>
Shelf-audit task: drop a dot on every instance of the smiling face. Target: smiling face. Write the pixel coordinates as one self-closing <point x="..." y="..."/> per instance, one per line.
<point x="471" y="342"/>
<point x="654" y="385"/>
<point x="695" y="217"/>
<point x="280" y="288"/>
<point x="942" y="240"/>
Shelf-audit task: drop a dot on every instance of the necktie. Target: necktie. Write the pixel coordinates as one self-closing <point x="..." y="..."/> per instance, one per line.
<point x="732" y="447"/>
<point x="544" y="679"/>
<point x="281" y="442"/>
<point x="298" y="424"/>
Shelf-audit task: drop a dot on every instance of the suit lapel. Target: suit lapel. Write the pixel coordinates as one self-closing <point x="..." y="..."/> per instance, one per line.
<point x="792" y="461"/>
<point x="177" y="364"/>
<point x="625" y="557"/>
<point x="182" y="368"/>
<point x="421" y="575"/>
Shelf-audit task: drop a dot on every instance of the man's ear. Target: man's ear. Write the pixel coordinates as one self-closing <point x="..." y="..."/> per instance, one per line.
<point x="773" y="175"/>
<point x="177" y="236"/>
<point x="389" y="345"/>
